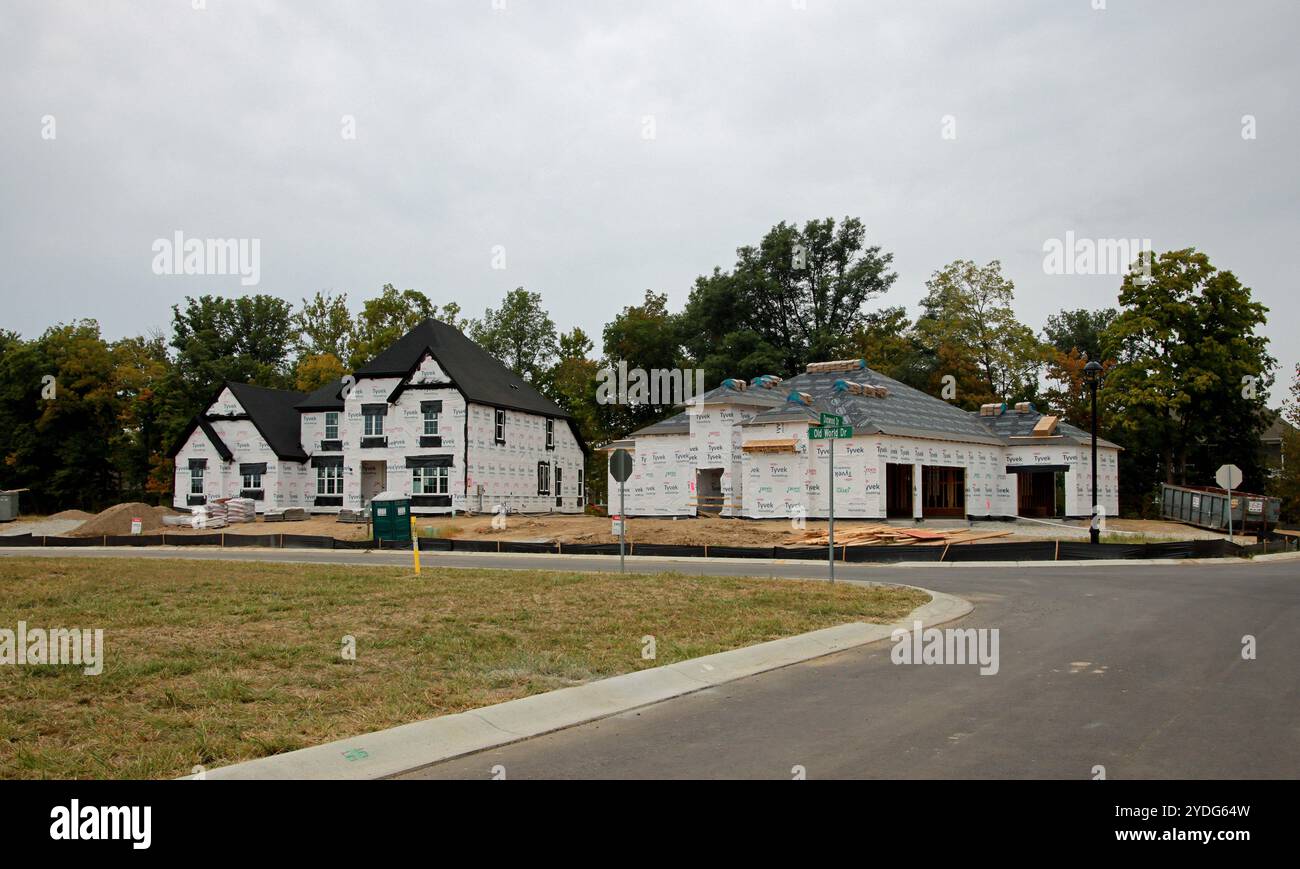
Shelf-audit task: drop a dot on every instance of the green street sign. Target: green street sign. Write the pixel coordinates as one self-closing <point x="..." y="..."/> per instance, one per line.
<point x="828" y="432"/>
<point x="831" y="419"/>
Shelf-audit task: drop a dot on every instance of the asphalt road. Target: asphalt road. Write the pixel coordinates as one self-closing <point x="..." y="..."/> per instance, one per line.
<point x="1138" y="669"/>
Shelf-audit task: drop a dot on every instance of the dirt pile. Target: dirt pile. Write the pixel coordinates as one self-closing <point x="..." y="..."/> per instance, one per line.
<point x="79" y="515"/>
<point x="117" y="520"/>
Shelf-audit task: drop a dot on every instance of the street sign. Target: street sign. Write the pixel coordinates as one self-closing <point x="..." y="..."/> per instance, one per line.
<point x="620" y="468"/>
<point x="1228" y="477"/>
<point x="620" y="465"/>
<point x="823" y="433"/>
<point x="831" y="419"/>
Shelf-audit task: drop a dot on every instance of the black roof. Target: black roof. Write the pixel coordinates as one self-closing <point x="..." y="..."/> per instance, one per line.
<point x="275" y="416"/>
<point x="477" y="373"/>
<point x="328" y="397"/>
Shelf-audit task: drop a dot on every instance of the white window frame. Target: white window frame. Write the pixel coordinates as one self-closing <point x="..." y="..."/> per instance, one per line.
<point x="332" y="425"/>
<point x="550" y="433"/>
<point x="196" y="481"/>
<point x="373" y="425"/>
<point x="329" y="480"/>
<point x="434" y="417"/>
<point x="252" y="482"/>
<point x="499" y="426"/>
<point x="430" y="480"/>
<point x="543" y="478"/>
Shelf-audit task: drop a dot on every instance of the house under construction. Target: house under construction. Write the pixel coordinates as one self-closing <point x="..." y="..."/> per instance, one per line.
<point x="743" y="450"/>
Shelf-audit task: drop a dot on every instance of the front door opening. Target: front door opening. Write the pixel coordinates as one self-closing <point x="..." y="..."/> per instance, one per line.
<point x="898" y="491"/>
<point x="943" y="491"/>
<point x="374" y="479"/>
<point x="708" y="490"/>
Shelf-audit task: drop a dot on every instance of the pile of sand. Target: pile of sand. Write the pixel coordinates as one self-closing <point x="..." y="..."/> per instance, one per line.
<point x="79" y="515"/>
<point x="117" y="520"/>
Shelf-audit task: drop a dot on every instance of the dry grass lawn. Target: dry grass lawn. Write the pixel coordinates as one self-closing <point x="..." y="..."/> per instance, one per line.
<point x="215" y="662"/>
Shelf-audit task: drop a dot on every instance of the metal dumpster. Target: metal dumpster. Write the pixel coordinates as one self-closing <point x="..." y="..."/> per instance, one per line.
<point x="391" y="516"/>
<point x="1207" y="507"/>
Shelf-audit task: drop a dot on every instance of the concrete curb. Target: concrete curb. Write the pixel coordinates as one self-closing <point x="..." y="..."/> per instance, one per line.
<point x="408" y="747"/>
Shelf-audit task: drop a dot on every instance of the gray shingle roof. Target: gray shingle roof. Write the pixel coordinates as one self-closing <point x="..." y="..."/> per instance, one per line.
<point x="1014" y="424"/>
<point x="677" y="424"/>
<point x="905" y="411"/>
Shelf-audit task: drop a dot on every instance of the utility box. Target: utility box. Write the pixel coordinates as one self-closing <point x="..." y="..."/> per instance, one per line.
<point x="390" y="515"/>
<point x="8" y="506"/>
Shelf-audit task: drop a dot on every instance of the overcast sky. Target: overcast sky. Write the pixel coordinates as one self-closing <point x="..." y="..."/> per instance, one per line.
<point x="612" y="147"/>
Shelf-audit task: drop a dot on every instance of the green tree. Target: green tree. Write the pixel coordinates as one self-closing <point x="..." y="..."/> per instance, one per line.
<point x="1081" y="330"/>
<point x="968" y="324"/>
<point x="384" y="319"/>
<point x="793" y="299"/>
<point x="324" y="326"/>
<point x="141" y="368"/>
<point x="887" y="340"/>
<point x="314" y="371"/>
<point x="520" y="333"/>
<point x="1189" y="391"/>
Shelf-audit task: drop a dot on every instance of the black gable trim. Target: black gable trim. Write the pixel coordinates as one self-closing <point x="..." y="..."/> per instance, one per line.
<point x="211" y="433"/>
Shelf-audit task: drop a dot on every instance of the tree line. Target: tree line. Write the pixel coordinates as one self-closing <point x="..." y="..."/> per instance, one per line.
<point x="1185" y="385"/>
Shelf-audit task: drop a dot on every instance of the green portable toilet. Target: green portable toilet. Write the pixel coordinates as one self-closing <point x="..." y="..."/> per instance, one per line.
<point x="390" y="515"/>
<point x="9" y="504"/>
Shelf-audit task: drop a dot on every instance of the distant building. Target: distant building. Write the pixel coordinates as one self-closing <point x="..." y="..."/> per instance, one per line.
<point x="434" y="417"/>
<point x="1272" y="442"/>
<point x="744" y="450"/>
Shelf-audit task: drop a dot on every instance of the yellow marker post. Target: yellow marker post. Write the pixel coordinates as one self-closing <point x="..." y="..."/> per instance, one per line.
<point x="415" y="545"/>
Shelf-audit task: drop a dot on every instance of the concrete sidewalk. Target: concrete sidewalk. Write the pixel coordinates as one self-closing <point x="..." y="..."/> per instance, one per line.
<point x="409" y="747"/>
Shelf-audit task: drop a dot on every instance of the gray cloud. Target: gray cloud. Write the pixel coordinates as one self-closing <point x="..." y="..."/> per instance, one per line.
<point x="523" y="128"/>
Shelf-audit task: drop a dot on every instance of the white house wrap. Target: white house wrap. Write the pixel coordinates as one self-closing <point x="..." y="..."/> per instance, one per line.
<point x="434" y="417"/>
<point x="746" y="452"/>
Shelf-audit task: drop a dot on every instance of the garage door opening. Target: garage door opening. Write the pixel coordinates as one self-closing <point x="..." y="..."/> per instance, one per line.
<point x="898" y="491"/>
<point x="1041" y="494"/>
<point x="943" y="492"/>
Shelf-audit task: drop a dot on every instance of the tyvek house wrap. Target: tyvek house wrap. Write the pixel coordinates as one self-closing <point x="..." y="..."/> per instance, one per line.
<point x="663" y="478"/>
<point x="281" y="483"/>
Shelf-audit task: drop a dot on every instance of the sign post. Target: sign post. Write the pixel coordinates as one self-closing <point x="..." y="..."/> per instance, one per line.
<point x="1229" y="477"/>
<point x="831" y="427"/>
<point x="415" y="545"/>
<point x="620" y="468"/>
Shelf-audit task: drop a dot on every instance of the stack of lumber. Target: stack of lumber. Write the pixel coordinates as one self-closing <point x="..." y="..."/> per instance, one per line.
<point x="889" y="535"/>
<point x="353" y="517"/>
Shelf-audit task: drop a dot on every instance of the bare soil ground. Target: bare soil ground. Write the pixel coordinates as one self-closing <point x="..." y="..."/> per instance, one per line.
<point x="596" y="529"/>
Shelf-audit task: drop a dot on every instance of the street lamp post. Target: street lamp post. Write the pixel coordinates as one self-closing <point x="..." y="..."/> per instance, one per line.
<point x="1092" y="373"/>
